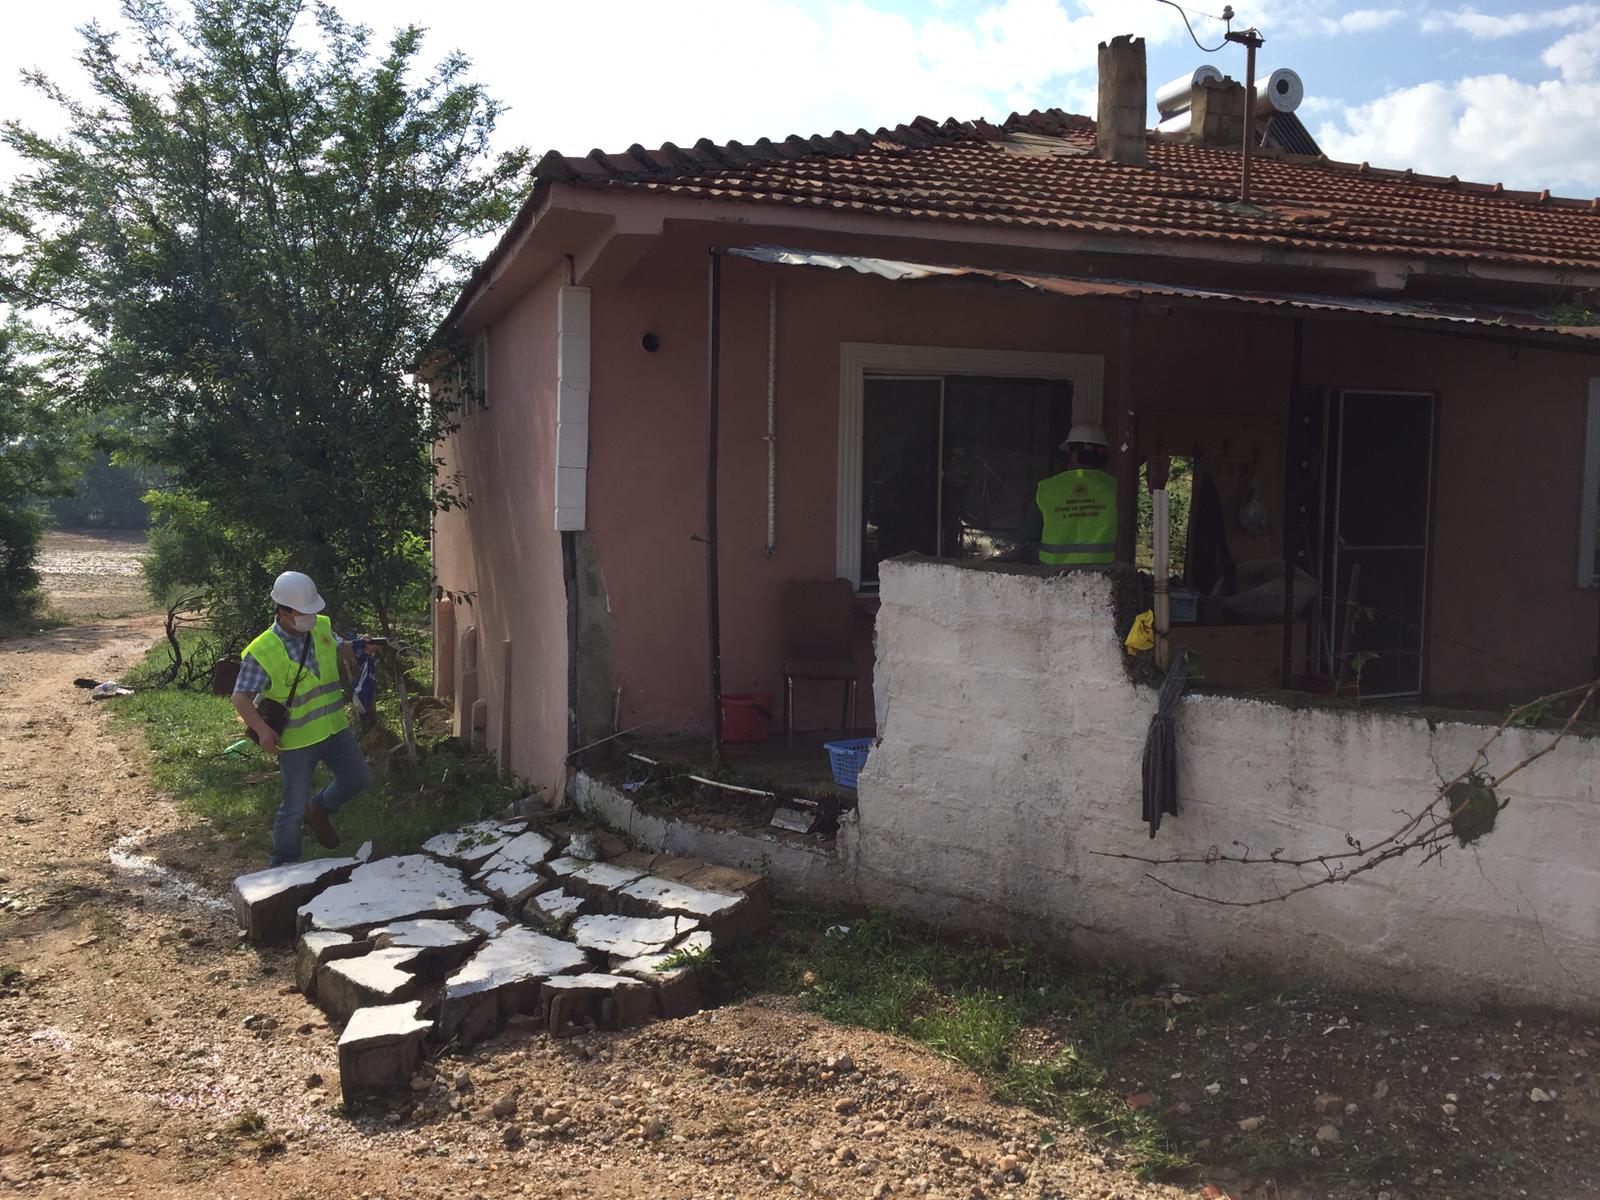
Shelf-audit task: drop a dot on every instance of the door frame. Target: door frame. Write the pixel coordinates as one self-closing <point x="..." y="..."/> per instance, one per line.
<point x="1334" y="456"/>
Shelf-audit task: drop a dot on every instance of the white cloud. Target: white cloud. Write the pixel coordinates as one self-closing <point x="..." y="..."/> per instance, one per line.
<point x="1576" y="56"/>
<point x="612" y="72"/>
<point x="1488" y="128"/>
<point x="1361" y="20"/>
<point x="1510" y="24"/>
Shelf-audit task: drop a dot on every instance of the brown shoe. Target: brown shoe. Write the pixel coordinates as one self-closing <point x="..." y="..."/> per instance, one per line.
<point x="322" y="826"/>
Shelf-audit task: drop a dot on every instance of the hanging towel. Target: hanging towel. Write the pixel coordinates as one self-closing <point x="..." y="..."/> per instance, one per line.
<point x="1161" y="750"/>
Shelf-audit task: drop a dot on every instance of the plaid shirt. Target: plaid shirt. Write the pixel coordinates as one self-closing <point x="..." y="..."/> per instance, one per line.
<point x="253" y="677"/>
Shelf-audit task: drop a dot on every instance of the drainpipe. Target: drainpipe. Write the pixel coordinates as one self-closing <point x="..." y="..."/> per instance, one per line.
<point x="772" y="413"/>
<point x="713" y="398"/>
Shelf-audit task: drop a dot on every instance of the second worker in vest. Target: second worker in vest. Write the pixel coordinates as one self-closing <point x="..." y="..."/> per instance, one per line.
<point x="296" y="662"/>
<point x="1078" y="507"/>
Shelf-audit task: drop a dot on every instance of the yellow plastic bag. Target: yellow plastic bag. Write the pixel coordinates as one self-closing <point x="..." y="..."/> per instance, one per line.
<point x="1142" y="636"/>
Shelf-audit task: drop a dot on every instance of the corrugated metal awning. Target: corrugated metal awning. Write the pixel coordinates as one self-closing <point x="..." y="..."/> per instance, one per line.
<point x="1493" y="324"/>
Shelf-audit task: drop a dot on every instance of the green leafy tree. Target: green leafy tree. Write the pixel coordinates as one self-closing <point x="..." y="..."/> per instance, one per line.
<point x="37" y="461"/>
<point x="248" y="239"/>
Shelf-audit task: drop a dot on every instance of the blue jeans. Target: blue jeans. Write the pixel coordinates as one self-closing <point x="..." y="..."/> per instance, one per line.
<point x="351" y="776"/>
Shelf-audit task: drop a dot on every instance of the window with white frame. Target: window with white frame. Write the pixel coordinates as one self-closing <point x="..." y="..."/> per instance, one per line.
<point x="1589" y="528"/>
<point x="941" y="449"/>
<point x="480" y="368"/>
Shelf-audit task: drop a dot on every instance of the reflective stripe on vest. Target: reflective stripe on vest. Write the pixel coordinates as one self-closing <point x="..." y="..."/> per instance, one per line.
<point x="318" y="710"/>
<point x="1080" y="519"/>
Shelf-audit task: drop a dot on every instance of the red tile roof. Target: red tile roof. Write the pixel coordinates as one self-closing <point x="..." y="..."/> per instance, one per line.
<point x="1039" y="171"/>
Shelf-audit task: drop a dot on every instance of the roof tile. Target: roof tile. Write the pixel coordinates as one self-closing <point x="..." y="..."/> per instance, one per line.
<point x="1039" y="170"/>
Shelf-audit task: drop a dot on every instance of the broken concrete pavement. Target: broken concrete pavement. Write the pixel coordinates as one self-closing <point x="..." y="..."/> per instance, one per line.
<point x="490" y="924"/>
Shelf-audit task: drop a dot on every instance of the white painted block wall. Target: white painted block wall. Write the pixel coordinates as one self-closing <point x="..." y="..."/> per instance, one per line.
<point x="1011" y="744"/>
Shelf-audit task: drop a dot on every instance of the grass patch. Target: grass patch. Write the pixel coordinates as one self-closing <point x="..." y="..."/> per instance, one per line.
<point x="9" y="975"/>
<point x="1040" y="1032"/>
<point x="187" y="734"/>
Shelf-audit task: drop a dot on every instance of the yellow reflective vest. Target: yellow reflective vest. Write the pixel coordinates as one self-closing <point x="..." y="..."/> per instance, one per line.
<point x="1080" y="518"/>
<point x="318" y="709"/>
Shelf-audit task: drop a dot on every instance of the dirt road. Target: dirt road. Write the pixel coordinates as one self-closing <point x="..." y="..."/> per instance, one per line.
<point x="147" y="1052"/>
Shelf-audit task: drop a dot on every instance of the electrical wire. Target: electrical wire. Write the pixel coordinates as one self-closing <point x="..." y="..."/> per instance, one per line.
<point x="1227" y="16"/>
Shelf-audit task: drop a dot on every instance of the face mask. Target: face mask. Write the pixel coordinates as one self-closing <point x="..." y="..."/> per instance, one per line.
<point x="303" y="622"/>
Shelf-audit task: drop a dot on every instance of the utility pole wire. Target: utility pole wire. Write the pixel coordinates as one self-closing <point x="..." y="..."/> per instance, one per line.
<point x="1344" y="865"/>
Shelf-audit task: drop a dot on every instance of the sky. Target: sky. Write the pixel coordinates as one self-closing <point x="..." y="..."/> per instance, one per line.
<point x="1493" y="92"/>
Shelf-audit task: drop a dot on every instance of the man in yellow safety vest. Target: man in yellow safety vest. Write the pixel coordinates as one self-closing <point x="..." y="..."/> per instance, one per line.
<point x="296" y="663"/>
<point x="1079" y="506"/>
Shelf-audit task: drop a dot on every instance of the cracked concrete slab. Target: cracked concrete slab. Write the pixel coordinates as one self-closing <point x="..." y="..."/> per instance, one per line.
<point x="609" y="1001"/>
<point x="318" y="947"/>
<point x="503" y="979"/>
<point x="473" y="845"/>
<point x="629" y="937"/>
<point x="677" y="987"/>
<point x="266" y="901"/>
<point x="554" y="909"/>
<point x="593" y="880"/>
<point x="381" y="1047"/>
<point x="441" y="946"/>
<point x="654" y="894"/>
<point x="381" y="977"/>
<point x="389" y="890"/>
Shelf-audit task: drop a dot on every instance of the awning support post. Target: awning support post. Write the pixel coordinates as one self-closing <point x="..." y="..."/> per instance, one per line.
<point x="1289" y="513"/>
<point x="713" y="398"/>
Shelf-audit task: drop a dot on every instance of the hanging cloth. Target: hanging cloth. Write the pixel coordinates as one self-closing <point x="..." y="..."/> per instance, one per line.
<point x="1160" y="770"/>
<point x="1209" y="569"/>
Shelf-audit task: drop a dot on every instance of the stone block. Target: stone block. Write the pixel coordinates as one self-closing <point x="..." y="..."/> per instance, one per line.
<point x="378" y="978"/>
<point x="390" y="890"/>
<point x="598" y="881"/>
<point x="716" y="911"/>
<point x="609" y="1001"/>
<point x="756" y="890"/>
<point x="266" y="901"/>
<point x="441" y="946"/>
<point x="676" y="988"/>
<point x="638" y="860"/>
<point x="473" y="845"/>
<point x="322" y="946"/>
<point x="501" y="980"/>
<point x="381" y="1047"/>
<point x="554" y="909"/>
<point x="629" y="937"/>
<point x="527" y="849"/>
<point x="511" y="883"/>
<point x="489" y="921"/>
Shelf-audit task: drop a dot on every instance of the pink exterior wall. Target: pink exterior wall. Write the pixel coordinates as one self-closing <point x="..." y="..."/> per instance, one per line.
<point x="1504" y="553"/>
<point x="647" y="460"/>
<point x="1507" y="617"/>
<point x="504" y="547"/>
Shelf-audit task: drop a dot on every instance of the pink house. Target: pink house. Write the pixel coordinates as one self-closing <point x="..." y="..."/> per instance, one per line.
<point x="900" y="325"/>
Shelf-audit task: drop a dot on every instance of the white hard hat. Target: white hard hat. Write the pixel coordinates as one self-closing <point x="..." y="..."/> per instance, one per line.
<point x="1086" y="434"/>
<point x="295" y="590"/>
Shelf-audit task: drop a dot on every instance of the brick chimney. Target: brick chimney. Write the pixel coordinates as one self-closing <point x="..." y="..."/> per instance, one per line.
<point x="1120" y="131"/>
<point x="1217" y="114"/>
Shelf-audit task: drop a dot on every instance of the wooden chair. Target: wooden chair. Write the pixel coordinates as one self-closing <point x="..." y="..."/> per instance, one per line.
<point x="818" y="626"/>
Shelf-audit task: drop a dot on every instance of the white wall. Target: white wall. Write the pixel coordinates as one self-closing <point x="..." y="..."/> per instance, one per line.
<point x="1011" y="744"/>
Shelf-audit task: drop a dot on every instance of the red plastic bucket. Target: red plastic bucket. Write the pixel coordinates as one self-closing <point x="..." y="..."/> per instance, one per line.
<point x="745" y="717"/>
